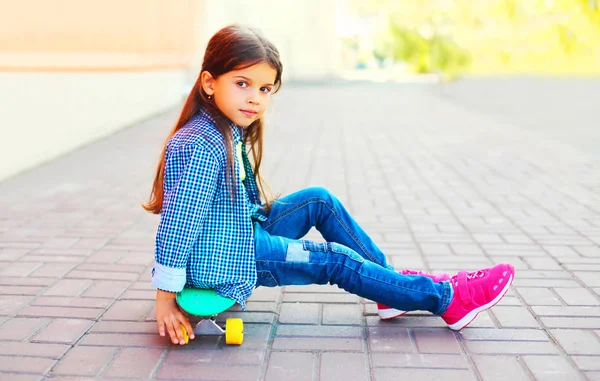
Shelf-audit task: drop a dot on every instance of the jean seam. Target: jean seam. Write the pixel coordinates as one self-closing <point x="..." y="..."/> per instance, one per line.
<point x="268" y="224"/>
<point x="332" y="209"/>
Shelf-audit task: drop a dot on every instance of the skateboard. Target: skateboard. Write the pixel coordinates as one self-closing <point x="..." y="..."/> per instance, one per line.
<point x="207" y="304"/>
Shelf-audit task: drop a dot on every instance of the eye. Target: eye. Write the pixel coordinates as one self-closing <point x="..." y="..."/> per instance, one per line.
<point x="265" y="89"/>
<point x="242" y="84"/>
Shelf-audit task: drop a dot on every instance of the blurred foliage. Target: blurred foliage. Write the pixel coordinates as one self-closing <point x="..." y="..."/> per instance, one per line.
<point x="492" y="36"/>
<point x="425" y="54"/>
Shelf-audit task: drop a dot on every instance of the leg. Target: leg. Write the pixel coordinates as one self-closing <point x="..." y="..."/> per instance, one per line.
<point x="294" y="215"/>
<point x="282" y="261"/>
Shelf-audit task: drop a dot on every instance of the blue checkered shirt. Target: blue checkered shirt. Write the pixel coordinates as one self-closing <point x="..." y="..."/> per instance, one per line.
<point x="205" y="238"/>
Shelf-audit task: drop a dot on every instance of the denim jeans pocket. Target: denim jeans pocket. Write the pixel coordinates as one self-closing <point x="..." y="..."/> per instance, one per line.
<point x="266" y="279"/>
<point x="333" y="247"/>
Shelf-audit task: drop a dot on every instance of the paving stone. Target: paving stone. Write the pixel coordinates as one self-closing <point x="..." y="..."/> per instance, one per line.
<point x="25" y="365"/>
<point x="512" y="317"/>
<point x="587" y="362"/>
<point x="18" y="377"/>
<point x="66" y="312"/>
<point x="590" y="279"/>
<point x="10" y="304"/>
<point x="299" y="313"/>
<point x="289" y="330"/>
<point x="124" y="327"/>
<point x="313" y="344"/>
<point x="223" y="356"/>
<point x="53" y="270"/>
<point x="510" y="348"/>
<point x="66" y="331"/>
<point x="550" y="368"/>
<point x="84" y="361"/>
<point x="409" y="321"/>
<point x="570" y="322"/>
<point x="593" y="376"/>
<point x="342" y="314"/>
<point x="500" y="368"/>
<point x="121" y="340"/>
<point x="13" y="348"/>
<point x="435" y="341"/>
<point x="343" y="367"/>
<point x="134" y="362"/>
<point x="390" y="339"/>
<point x="20" y="329"/>
<point x="504" y="334"/>
<point x="588" y="251"/>
<point x="20" y="269"/>
<point x="106" y="289"/>
<point x="290" y="366"/>
<point x="567" y="311"/>
<point x="204" y="372"/>
<point x="66" y="301"/>
<point x="577" y="342"/>
<point x="102" y="275"/>
<point x="421" y="360"/>
<point x="540" y="296"/>
<point x="545" y="283"/>
<point x="391" y="374"/>
<point x="132" y="310"/>
<point x="68" y="287"/>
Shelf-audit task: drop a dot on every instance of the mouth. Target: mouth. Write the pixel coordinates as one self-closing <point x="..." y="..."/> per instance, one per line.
<point x="249" y="113"/>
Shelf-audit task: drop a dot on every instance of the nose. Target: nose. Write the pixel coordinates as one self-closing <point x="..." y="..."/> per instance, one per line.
<point x="253" y="98"/>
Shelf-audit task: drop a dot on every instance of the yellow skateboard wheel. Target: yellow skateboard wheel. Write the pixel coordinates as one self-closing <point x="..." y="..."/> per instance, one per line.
<point x="234" y="331"/>
<point x="186" y="337"/>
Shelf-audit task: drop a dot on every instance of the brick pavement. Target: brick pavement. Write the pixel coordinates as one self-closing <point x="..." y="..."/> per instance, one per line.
<point x="438" y="185"/>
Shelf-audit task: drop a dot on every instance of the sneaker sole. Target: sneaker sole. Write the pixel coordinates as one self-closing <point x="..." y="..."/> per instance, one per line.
<point x="390" y="313"/>
<point x="462" y="323"/>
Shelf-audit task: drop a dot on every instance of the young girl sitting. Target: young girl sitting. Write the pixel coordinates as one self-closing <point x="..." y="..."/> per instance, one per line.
<point x="216" y="233"/>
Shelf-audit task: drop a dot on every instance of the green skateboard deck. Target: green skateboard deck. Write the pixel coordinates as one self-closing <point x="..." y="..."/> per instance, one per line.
<point x="203" y="302"/>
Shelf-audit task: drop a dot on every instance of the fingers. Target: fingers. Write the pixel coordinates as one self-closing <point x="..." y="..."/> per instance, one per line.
<point x="161" y="328"/>
<point x="186" y="324"/>
<point x="179" y="333"/>
<point x="172" y="332"/>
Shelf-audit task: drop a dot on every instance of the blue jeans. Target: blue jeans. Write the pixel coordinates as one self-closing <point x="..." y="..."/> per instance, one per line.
<point x="349" y="258"/>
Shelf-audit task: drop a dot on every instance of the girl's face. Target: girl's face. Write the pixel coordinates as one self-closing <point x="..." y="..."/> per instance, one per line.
<point x="242" y="95"/>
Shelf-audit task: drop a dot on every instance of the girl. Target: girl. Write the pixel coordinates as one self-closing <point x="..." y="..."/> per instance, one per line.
<point x="215" y="232"/>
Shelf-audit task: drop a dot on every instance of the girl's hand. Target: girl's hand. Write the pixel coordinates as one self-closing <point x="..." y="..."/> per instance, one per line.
<point x="170" y="318"/>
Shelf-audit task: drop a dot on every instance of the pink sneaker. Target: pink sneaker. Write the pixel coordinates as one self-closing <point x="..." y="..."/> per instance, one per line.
<point x="386" y="313"/>
<point x="475" y="292"/>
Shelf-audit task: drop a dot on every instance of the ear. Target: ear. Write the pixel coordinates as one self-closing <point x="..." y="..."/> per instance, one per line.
<point x="207" y="82"/>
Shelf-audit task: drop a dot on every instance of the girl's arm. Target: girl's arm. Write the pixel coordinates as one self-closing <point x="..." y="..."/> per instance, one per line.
<point x="184" y="207"/>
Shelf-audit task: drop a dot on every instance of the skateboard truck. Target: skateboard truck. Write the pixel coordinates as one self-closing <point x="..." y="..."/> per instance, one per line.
<point x="208" y="327"/>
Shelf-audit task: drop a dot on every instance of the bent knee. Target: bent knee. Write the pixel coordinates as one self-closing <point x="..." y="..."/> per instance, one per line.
<point x="321" y="193"/>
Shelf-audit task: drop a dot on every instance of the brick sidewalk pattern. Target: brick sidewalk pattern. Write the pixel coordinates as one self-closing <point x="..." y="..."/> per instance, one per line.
<point x="440" y="187"/>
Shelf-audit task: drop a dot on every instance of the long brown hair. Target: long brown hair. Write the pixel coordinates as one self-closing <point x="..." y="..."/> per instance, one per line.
<point x="231" y="48"/>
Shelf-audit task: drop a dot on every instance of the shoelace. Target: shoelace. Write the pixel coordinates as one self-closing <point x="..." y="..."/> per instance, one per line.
<point x="460" y="280"/>
<point x="413" y="272"/>
<point x="469" y="275"/>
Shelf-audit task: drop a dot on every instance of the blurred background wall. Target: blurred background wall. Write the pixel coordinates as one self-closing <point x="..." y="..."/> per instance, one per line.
<point x="72" y="71"/>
